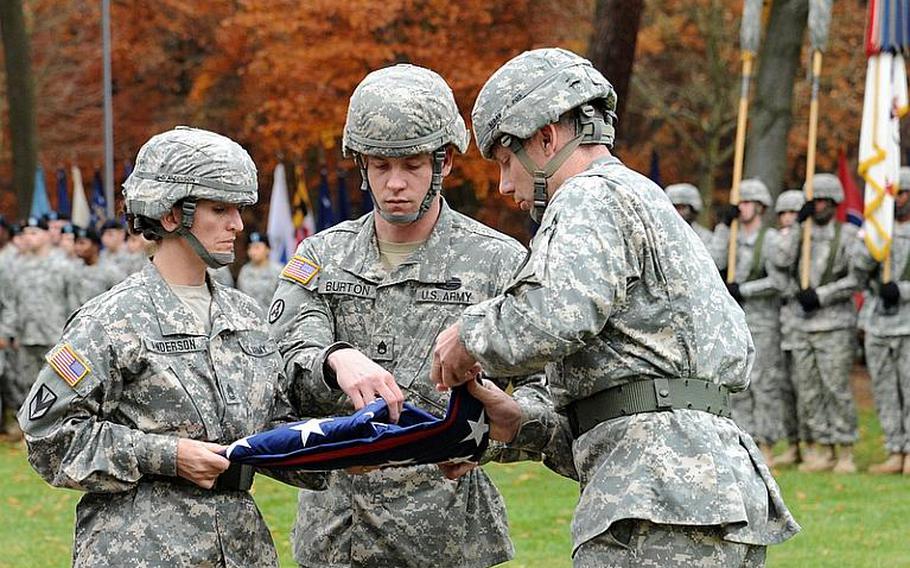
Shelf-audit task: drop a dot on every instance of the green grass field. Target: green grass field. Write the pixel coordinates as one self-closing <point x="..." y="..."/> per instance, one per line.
<point x="852" y="521"/>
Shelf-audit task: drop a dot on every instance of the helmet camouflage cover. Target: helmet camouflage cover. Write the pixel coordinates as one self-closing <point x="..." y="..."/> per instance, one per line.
<point x="685" y="194"/>
<point x="790" y="200"/>
<point x="535" y="89"/>
<point x="400" y="111"/>
<point x="827" y="186"/>
<point x="189" y="163"/>
<point x="754" y="189"/>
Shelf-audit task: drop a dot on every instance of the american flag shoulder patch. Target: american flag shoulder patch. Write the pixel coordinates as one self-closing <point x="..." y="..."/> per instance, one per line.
<point x="68" y="364"/>
<point x="300" y="269"/>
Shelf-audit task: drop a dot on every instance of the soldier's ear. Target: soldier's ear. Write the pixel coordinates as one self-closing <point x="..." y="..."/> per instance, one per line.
<point x="549" y="139"/>
<point x="171" y="220"/>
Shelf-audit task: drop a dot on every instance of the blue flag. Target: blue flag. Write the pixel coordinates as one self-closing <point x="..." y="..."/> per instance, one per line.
<point x="344" y="201"/>
<point x="654" y="172"/>
<point x="325" y="216"/>
<point x="63" y="195"/>
<point x="98" y="203"/>
<point x="40" y="205"/>
<point x="366" y="438"/>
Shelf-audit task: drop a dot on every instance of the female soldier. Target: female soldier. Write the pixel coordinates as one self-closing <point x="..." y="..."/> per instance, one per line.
<point x="151" y="377"/>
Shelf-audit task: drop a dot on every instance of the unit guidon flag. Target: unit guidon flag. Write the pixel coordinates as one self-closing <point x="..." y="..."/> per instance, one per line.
<point x="366" y="438"/>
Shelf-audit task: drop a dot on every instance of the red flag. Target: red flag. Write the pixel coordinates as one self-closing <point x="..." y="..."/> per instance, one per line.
<point x="850" y="210"/>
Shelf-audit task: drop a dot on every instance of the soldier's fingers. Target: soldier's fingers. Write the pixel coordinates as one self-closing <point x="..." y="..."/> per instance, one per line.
<point x="357" y="397"/>
<point x="436" y="369"/>
<point x="392" y="401"/>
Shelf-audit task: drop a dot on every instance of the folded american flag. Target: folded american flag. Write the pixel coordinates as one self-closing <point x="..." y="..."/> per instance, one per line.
<point x="365" y="438"/>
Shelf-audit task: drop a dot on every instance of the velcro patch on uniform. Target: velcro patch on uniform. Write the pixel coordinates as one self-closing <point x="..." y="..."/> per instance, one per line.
<point x="41" y="402"/>
<point x="183" y="345"/>
<point x="300" y="269"/>
<point x="68" y="364"/>
<point x="348" y="288"/>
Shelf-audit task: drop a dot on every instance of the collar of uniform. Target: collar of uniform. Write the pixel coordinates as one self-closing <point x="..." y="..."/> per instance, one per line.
<point x="427" y="264"/>
<point x="901" y="229"/>
<point x="174" y="318"/>
<point x="824" y="231"/>
<point x="226" y="316"/>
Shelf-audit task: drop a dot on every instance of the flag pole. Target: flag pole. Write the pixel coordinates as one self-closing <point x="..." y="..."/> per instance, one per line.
<point x="750" y="30"/>
<point x="819" y="22"/>
<point x="738" y="161"/>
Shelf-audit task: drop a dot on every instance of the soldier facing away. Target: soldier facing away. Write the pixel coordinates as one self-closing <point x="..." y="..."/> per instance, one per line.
<point x="355" y="315"/>
<point x="622" y="306"/>
<point x="153" y="377"/>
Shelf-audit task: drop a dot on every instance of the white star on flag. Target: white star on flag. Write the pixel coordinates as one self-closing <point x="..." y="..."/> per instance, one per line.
<point x="310" y="427"/>
<point x="241" y="442"/>
<point x="478" y="429"/>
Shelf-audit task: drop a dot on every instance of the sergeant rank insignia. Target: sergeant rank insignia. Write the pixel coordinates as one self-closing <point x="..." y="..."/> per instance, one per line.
<point x="300" y="269"/>
<point x="68" y="364"/>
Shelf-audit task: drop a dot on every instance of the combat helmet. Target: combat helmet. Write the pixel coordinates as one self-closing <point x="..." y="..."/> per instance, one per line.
<point x="182" y="166"/>
<point x="754" y="189"/>
<point x="402" y="111"/>
<point x="790" y="200"/>
<point x="535" y="89"/>
<point x="827" y="186"/>
<point x="685" y="194"/>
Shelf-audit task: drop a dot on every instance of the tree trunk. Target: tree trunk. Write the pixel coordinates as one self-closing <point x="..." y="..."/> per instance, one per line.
<point x="771" y="112"/>
<point x="21" y="95"/>
<point x="612" y="47"/>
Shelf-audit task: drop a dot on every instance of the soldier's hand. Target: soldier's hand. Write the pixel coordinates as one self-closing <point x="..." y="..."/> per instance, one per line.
<point x="200" y="462"/>
<point x="806" y="211"/>
<point x="733" y="288"/>
<point x="452" y="364"/>
<point x="808" y="299"/>
<point x="890" y="294"/>
<point x="363" y="380"/>
<point x="455" y="470"/>
<point x="3" y="343"/>
<point x="728" y="213"/>
<point x="503" y="412"/>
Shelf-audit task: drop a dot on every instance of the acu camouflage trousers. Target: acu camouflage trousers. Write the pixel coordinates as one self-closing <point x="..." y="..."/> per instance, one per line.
<point x="888" y="361"/>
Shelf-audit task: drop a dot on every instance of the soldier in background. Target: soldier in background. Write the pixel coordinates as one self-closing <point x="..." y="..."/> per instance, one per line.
<point x="90" y="276"/>
<point x="67" y="242"/>
<point x="623" y="307"/>
<point x="757" y="287"/>
<point x="687" y="200"/>
<point x="355" y="314"/>
<point x="113" y="243"/>
<point x="824" y="331"/>
<point x="259" y="276"/>
<point x="152" y="378"/>
<point x="787" y="208"/>
<point x="887" y="337"/>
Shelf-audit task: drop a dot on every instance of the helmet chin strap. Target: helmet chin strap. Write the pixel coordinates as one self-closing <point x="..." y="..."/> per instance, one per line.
<point x="589" y="129"/>
<point x="211" y="259"/>
<point x="439" y="157"/>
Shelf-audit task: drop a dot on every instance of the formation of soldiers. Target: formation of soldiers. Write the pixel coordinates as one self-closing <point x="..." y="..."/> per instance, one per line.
<point x="807" y="339"/>
<point x="50" y="267"/>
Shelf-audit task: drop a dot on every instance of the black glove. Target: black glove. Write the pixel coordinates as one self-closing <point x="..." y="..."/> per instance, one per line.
<point x="806" y="211"/>
<point x="808" y="299"/>
<point x="733" y="288"/>
<point x="890" y="294"/>
<point x="727" y="214"/>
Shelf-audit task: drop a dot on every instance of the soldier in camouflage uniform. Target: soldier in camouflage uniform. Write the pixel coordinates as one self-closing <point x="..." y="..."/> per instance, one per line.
<point x="687" y="200"/>
<point x="887" y="339"/>
<point x="623" y="307"/>
<point x="90" y="276"/>
<point x="259" y="276"/>
<point x="40" y="305"/>
<point x="355" y="316"/>
<point x="757" y="287"/>
<point x="825" y="329"/>
<point x="153" y="376"/>
<point x="787" y="207"/>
